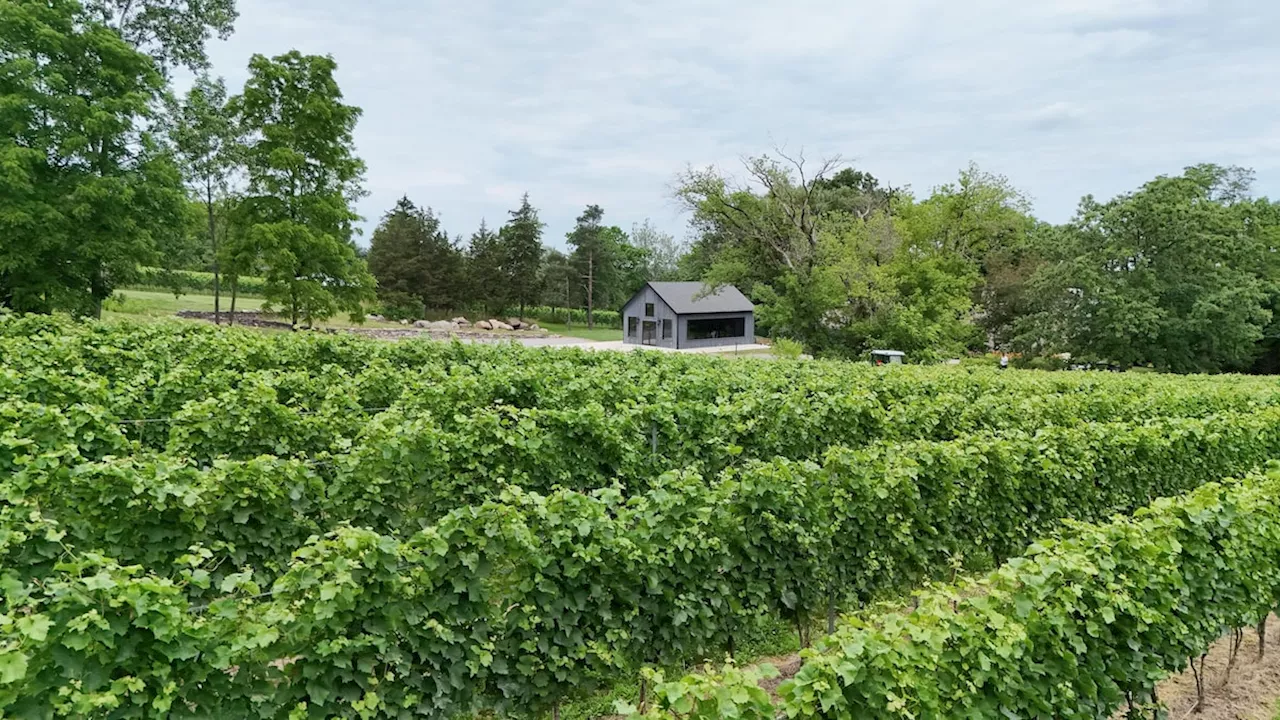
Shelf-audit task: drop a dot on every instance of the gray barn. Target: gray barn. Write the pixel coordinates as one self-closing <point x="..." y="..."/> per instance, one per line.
<point x="682" y="315"/>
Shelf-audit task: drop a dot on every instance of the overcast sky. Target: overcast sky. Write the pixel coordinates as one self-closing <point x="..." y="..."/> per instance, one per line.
<point x="467" y="104"/>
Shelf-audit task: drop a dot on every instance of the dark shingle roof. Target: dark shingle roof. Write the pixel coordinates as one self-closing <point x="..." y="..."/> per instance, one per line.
<point x="693" y="297"/>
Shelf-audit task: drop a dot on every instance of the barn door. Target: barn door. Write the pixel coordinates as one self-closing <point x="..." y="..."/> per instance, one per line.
<point x="649" y="333"/>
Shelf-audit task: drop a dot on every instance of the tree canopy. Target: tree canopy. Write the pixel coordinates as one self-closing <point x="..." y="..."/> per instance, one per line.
<point x="415" y="263"/>
<point x="1179" y="274"/>
<point x="303" y="177"/>
<point x="83" y="180"/>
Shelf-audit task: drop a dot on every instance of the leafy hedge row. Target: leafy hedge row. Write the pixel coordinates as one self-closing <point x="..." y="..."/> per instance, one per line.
<point x="578" y="316"/>
<point x="192" y="282"/>
<point x="151" y="371"/>
<point x="1079" y="627"/>
<point x="522" y="601"/>
<point x="567" y="418"/>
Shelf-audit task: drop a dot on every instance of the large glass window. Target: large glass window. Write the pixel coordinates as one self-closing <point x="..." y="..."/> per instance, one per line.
<point x="705" y="329"/>
<point x="633" y="326"/>
<point x="666" y="329"/>
<point x="648" y="309"/>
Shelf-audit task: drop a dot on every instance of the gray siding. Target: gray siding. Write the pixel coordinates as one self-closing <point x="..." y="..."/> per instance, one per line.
<point x="682" y="330"/>
<point x="661" y="311"/>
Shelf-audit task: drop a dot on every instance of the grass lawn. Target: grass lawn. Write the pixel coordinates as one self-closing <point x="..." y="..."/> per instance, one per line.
<point x="160" y="304"/>
<point x="580" y="331"/>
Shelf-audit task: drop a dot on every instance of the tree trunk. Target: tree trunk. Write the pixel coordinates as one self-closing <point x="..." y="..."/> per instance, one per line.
<point x="1262" y="637"/>
<point x="95" y="293"/>
<point x="235" y="285"/>
<point x="591" y="291"/>
<point x="213" y="242"/>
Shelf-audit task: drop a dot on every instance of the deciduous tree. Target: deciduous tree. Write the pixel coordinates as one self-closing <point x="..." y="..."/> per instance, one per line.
<point x="206" y="138"/>
<point x="662" y="251"/>
<point x="1177" y="274"/>
<point x="174" y="32"/>
<point x="303" y="176"/>
<point x="86" y="193"/>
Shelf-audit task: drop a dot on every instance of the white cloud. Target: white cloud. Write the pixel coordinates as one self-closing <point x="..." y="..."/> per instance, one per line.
<point x="469" y="105"/>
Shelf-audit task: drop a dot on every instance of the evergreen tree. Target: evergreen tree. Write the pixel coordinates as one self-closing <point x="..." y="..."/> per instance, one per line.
<point x="521" y="241"/>
<point x="414" y="261"/>
<point x="487" y="270"/>
<point x="595" y="258"/>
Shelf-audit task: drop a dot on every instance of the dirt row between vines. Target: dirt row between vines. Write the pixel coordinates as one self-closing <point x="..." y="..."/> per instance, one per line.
<point x="1254" y="686"/>
<point x="1251" y="694"/>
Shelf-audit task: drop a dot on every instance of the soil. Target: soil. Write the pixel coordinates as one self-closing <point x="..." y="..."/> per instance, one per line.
<point x="1252" y="691"/>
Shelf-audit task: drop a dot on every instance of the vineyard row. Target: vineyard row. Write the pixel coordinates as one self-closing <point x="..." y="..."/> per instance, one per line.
<point x="144" y="582"/>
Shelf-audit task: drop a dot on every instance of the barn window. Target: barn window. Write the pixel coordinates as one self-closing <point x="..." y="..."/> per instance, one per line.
<point x="708" y="328"/>
<point x="666" y="329"/>
<point x="633" y="326"/>
<point x="648" y="309"/>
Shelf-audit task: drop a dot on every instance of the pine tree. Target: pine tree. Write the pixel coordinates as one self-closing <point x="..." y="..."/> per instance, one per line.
<point x="521" y="241"/>
<point x="414" y="261"/>
<point x="595" y="258"/>
<point x="487" y="269"/>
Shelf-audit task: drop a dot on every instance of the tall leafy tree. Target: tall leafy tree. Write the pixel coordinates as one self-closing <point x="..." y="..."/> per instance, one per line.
<point x="833" y="258"/>
<point x="559" y="280"/>
<point x="521" y="241"/>
<point x="763" y="234"/>
<point x="1178" y="275"/>
<point x="630" y="271"/>
<point x="206" y="138"/>
<point x="985" y="221"/>
<point x="414" y="261"/>
<point x="86" y="193"/>
<point x="303" y="178"/>
<point x="174" y="32"/>
<point x="661" y="250"/>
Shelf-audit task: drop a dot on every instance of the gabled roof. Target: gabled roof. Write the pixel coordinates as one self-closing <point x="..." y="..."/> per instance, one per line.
<point x="693" y="297"/>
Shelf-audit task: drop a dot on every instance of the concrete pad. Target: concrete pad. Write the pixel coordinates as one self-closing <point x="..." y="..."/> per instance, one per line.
<point x="620" y="346"/>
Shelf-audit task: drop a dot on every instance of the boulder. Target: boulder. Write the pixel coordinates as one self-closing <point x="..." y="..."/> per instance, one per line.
<point x="461" y="321"/>
<point x="499" y="325"/>
<point x="534" y="327"/>
<point x="515" y="323"/>
<point x="377" y="318"/>
<point x="404" y="322"/>
<point x="484" y="325"/>
<point x="443" y="326"/>
<point x="421" y="324"/>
